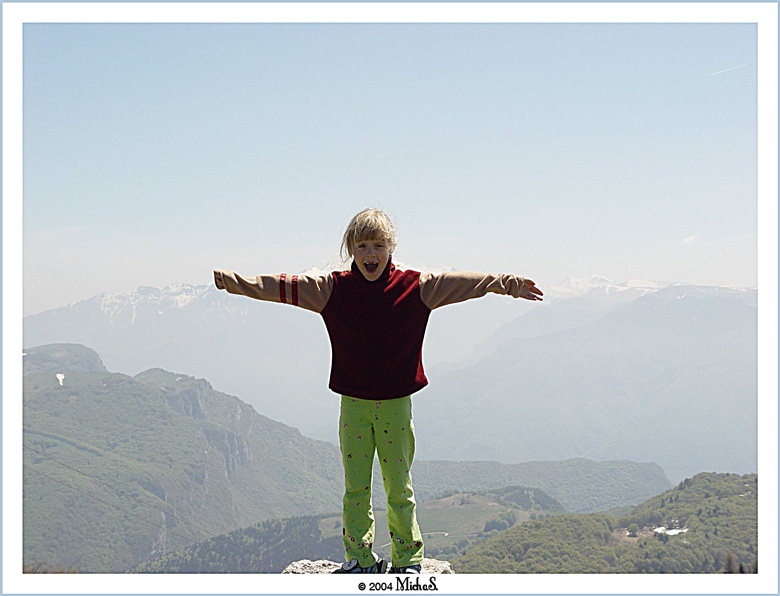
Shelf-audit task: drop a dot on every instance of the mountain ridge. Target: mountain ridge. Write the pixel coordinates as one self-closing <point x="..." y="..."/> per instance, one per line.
<point x="599" y="358"/>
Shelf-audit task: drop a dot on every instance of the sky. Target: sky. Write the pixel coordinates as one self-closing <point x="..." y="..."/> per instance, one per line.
<point x="154" y="153"/>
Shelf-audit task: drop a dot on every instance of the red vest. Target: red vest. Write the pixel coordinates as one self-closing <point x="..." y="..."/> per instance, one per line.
<point x="376" y="333"/>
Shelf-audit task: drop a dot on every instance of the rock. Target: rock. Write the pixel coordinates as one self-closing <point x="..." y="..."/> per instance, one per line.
<point x="307" y="566"/>
<point x="432" y="566"/>
<point x="436" y="566"/>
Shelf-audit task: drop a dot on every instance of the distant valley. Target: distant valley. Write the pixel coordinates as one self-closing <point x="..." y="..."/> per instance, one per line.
<point x="451" y="525"/>
<point x="706" y="524"/>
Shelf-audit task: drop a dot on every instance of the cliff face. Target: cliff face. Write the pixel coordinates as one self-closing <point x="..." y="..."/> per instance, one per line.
<point x="429" y="566"/>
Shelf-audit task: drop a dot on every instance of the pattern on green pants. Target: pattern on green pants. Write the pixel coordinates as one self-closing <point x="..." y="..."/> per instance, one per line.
<point x="384" y="427"/>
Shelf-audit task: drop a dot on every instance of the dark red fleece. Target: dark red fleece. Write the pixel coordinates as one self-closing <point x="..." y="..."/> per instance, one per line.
<point x="376" y="333"/>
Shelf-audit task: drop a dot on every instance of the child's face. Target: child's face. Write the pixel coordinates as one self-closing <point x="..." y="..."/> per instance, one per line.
<point x="371" y="257"/>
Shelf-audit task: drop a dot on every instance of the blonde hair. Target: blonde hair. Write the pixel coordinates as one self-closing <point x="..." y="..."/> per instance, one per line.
<point x="369" y="224"/>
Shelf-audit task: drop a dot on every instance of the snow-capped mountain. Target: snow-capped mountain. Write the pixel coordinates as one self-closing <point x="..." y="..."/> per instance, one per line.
<point x="118" y="307"/>
<point x="572" y="287"/>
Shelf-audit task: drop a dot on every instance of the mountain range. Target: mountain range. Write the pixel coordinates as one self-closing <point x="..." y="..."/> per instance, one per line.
<point x="668" y="376"/>
<point x="641" y="370"/>
<point x="119" y="470"/>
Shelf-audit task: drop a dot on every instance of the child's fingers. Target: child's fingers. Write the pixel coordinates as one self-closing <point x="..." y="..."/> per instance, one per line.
<point x="531" y="287"/>
<point x="531" y="292"/>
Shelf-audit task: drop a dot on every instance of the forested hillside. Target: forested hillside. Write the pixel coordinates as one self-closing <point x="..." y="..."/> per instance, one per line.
<point x="267" y="547"/>
<point x="119" y="469"/>
<point x="693" y="528"/>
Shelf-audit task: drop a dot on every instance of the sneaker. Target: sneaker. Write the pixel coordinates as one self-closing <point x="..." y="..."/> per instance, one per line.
<point x="354" y="567"/>
<point x="409" y="569"/>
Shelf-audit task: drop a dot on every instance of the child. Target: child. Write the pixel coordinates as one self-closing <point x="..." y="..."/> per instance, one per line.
<point x="376" y="316"/>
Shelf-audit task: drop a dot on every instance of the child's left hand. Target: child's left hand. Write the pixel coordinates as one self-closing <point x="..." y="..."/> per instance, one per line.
<point x="529" y="291"/>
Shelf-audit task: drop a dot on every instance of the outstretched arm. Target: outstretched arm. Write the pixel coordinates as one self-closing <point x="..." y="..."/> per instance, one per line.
<point x="311" y="293"/>
<point x="440" y="289"/>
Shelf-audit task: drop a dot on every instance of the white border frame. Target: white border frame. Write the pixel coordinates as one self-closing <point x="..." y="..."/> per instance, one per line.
<point x="16" y="14"/>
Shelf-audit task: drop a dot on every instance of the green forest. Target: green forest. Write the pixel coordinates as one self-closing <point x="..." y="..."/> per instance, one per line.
<point x="119" y="469"/>
<point x="267" y="547"/>
<point x="706" y="524"/>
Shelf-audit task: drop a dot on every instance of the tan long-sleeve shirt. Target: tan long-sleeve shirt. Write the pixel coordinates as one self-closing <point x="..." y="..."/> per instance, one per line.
<point x="376" y="328"/>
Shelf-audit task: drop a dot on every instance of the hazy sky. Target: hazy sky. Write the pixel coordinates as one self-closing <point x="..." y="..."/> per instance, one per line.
<point x="154" y="153"/>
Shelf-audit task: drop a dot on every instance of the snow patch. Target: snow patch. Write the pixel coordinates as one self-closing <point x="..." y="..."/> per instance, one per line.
<point x="673" y="532"/>
<point x="326" y="268"/>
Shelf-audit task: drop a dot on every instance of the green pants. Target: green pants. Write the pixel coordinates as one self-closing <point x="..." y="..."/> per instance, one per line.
<point x="384" y="427"/>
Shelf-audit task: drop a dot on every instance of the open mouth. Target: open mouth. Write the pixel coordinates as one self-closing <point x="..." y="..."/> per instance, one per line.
<point x="371" y="267"/>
